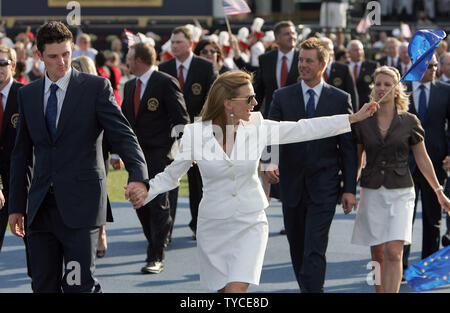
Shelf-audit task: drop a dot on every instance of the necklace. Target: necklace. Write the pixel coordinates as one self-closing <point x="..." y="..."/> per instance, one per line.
<point x="383" y="129"/>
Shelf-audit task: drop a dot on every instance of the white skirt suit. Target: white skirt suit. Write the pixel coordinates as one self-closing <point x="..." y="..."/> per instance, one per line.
<point x="232" y="229"/>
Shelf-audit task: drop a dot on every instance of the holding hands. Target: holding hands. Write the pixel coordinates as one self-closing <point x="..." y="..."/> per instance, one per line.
<point x="136" y="193"/>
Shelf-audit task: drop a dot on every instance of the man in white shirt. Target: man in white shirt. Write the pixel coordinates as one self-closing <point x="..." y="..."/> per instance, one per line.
<point x="84" y="44"/>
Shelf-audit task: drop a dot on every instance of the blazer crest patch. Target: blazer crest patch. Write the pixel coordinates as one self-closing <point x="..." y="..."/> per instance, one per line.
<point x="337" y="81"/>
<point x="14" y="119"/>
<point x="196" y="89"/>
<point x="152" y="104"/>
<point x="367" y="78"/>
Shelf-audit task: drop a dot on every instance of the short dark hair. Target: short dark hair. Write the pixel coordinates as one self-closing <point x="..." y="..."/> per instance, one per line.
<point x="280" y="25"/>
<point x="183" y="30"/>
<point x="145" y="52"/>
<point x="52" y="32"/>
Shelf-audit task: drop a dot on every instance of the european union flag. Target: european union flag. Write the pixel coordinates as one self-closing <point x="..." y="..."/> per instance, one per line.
<point x="431" y="272"/>
<point x="421" y="49"/>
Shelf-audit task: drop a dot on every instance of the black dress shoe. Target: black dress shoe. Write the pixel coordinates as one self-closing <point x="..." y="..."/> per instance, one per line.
<point x="283" y="232"/>
<point x="446" y="240"/>
<point x="154" y="267"/>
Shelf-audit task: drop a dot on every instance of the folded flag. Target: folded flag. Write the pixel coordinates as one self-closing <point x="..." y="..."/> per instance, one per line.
<point x="431" y="272"/>
<point x="421" y="49"/>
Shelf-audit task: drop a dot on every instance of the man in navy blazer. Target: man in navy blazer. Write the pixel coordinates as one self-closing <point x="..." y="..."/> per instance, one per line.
<point x="62" y="119"/>
<point x="434" y="120"/>
<point x="8" y="100"/>
<point x="195" y="76"/>
<point x="309" y="171"/>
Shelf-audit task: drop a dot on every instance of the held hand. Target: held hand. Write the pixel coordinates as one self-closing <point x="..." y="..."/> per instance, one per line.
<point x="366" y="111"/>
<point x="16" y="224"/>
<point x="272" y="173"/>
<point x="446" y="163"/>
<point x="443" y="201"/>
<point x="349" y="202"/>
<point x="136" y="193"/>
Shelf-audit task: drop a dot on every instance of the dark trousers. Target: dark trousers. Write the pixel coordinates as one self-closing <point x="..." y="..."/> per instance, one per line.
<point x="307" y="226"/>
<point x="195" y="194"/>
<point x="173" y="201"/>
<point x="52" y="245"/>
<point x="431" y="219"/>
<point x="156" y="222"/>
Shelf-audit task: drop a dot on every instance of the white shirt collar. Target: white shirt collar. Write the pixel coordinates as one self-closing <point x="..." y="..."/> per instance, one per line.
<point x="317" y="89"/>
<point x="186" y="62"/>
<point x="289" y="55"/>
<point x="5" y="90"/>
<point x="416" y="86"/>
<point x="146" y="76"/>
<point x="62" y="83"/>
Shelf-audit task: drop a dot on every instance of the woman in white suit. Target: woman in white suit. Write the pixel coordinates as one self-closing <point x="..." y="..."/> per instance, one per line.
<point x="227" y="143"/>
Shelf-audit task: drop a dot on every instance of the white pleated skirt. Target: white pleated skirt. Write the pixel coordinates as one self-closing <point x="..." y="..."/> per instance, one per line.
<point x="384" y="215"/>
<point x="231" y="249"/>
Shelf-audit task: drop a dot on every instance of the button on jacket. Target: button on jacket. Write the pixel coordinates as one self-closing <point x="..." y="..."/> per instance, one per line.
<point x="231" y="184"/>
<point x="387" y="158"/>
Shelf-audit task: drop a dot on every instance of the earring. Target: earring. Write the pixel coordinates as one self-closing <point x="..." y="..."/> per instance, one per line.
<point x="232" y="118"/>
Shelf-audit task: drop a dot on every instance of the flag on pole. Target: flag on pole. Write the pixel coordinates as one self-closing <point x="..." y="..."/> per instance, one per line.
<point x="130" y="37"/>
<point x="363" y="25"/>
<point x="430" y="272"/>
<point x="421" y="49"/>
<point x="235" y="7"/>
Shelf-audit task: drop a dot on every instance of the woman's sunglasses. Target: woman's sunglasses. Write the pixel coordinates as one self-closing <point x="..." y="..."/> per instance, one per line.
<point x="249" y="99"/>
<point x="206" y="51"/>
<point x="5" y="62"/>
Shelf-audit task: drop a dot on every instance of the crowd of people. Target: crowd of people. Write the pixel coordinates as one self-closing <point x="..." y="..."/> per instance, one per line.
<point x="160" y="114"/>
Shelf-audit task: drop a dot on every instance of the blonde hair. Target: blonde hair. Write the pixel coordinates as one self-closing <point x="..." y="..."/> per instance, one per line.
<point x="402" y="99"/>
<point x="84" y="64"/>
<point x="224" y="87"/>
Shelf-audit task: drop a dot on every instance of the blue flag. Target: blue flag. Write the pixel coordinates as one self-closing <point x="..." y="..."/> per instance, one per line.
<point x="421" y="49"/>
<point x="431" y="272"/>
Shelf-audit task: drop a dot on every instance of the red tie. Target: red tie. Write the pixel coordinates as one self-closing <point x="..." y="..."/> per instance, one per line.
<point x="325" y="76"/>
<point x="137" y="97"/>
<point x="181" y="77"/>
<point x="355" y="72"/>
<point x="392" y="62"/>
<point x="284" y="72"/>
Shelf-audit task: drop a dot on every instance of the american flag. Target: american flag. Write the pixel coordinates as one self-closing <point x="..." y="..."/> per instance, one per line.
<point x="130" y="37"/>
<point x="235" y="7"/>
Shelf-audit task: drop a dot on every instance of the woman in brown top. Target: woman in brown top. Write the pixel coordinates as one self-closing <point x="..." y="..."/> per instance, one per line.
<point x="384" y="218"/>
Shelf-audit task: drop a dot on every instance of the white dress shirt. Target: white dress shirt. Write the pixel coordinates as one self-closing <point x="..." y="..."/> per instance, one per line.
<point x="5" y="92"/>
<point x="416" y="93"/>
<point x="62" y="83"/>
<point x="144" y="79"/>
<point x="317" y="91"/>
<point x="186" y="65"/>
<point x="289" y="59"/>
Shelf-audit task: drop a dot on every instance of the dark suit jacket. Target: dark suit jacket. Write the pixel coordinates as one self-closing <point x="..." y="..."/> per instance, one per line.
<point x="8" y="136"/>
<point x="384" y="60"/>
<point x="341" y="77"/>
<point x="365" y="78"/>
<point x="438" y="115"/>
<point x="199" y="79"/>
<point x="266" y="79"/>
<point x="162" y="108"/>
<point x="73" y="162"/>
<point x="314" y="165"/>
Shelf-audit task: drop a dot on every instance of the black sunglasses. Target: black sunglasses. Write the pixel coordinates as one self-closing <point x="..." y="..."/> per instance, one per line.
<point x="431" y="65"/>
<point x="206" y="51"/>
<point x="5" y="62"/>
<point x="249" y="98"/>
